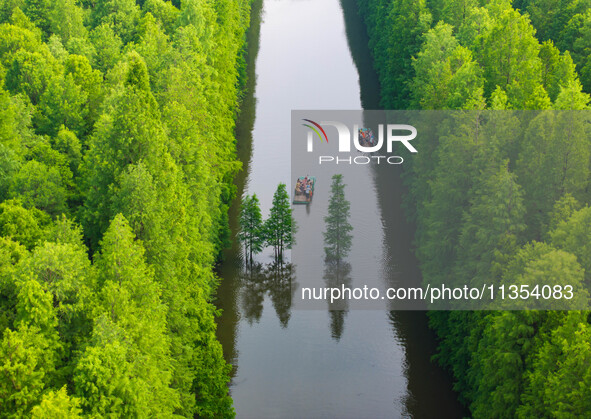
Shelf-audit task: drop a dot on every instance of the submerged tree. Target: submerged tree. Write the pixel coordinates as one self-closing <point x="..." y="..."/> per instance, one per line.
<point x="337" y="237"/>
<point x="280" y="226"/>
<point x="251" y="227"/>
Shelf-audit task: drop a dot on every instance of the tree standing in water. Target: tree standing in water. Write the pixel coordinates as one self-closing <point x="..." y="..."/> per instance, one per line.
<point x="251" y="227"/>
<point x="337" y="237"/>
<point x="280" y="226"/>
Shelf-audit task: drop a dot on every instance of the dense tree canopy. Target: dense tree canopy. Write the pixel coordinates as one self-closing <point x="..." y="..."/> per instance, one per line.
<point x="117" y="154"/>
<point x="503" y="198"/>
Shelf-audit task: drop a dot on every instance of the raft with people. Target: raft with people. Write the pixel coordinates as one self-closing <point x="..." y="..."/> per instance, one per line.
<point x="304" y="190"/>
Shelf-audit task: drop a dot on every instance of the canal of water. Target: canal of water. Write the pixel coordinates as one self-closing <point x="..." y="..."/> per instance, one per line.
<point x="313" y="54"/>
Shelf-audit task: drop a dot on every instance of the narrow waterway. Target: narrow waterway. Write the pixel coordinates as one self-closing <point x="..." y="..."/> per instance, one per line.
<point x="312" y="54"/>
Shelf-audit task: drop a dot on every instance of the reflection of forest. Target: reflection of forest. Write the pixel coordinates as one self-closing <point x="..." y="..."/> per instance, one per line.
<point x="273" y="279"/>
<point x="337" y="275"/>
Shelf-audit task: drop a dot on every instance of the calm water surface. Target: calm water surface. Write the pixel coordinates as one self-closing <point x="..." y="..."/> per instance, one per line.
<point x="312" y="54"/>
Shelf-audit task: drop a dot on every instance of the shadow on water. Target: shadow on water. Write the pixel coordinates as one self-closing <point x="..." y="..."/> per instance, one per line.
<point x="358" y="45"/>
<point x="226" y="330"/>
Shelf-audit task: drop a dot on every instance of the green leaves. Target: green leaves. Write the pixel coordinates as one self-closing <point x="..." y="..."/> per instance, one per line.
<point x="445" y="73"/>
<point x="40" y="187"/>
<point x="554" y="160"/>
<point x="573" y="235"/>
<point x="556" y="383"/>
<point x="20" y="224"/>
<point x="251" y="233"/>
<point x="121" y="114"/>
<point x="280" y="226"/>
<point x="57" y="404"/>
<point x="337" y="237"/>
<point x="28" y="355"/>
<point x="126" y="369"/>
<point x="485" y="194"/>
<point x="22" y="352"/>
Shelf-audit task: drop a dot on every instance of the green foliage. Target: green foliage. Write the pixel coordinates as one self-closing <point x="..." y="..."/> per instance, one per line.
<point x="280" y="226"/>
<point x="14" y="38"/>
<point x="57" y="404"/>
<point x="41" y="187"/>
<point x="20" y="224"/>
<point x="337" y="237"/>
<point x="562" y="211"/>
<point x="164" y="12"/>
<point x="67" y="20"/>
<point x="119" y="114"/>
<point x="572" y="235"/>
<point x="11" y="253"/>
<point x="508" y="52"/>
<point x="445" y="74"/>
<point x="122" y="15"/>
<point x="107" y="46"/>
<point x="23" y="379"/>
<point x="551" y="17"/>
<point x="485" y="195"/>
<point x="500" y="358"/>
<point x="490" y="227"/>
<point x="39" y="12"/>
<point x="63" y="269"/>
<point x="556" y="383"/>
<point x="63" y="103"/>
<point x="251" y="226"/>
<point x="129" y="340"/>
<point x="554" y="160"/>
<point x="541" y="265"/>
<point x="68" y="145"/>
<point x="395" y="29"/>
<point x="30" y="353"/>
<point x="577" y="39"/>
<point x="31" y="73"/>
<point x="454" y="12"/>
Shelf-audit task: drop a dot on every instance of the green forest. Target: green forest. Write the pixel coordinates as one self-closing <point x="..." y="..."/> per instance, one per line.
<point x="488" y="205"/>
<point x="117" y="160"/>
<point x="117" y="155"/>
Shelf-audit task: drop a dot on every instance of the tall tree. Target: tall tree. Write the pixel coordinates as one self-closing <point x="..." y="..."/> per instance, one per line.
<point x="572" y="235"/>
<point x="508" y="53"/>
<point x="491" y="227"/>
<point x="280" y="227"/>
<point x="576" y="38"/>
<point x="251" y="226"/>
<point x="446" y="76"/>
<point x="129" y="340"/>
<point x="555" y="384"/>
<point x="30" y="353"/>
<point x="57" y="404"/>
<point x="337" y="237"/>
<point x="554" y="160"/>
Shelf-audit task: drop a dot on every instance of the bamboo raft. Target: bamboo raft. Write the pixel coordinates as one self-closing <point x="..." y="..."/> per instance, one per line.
<point x="304" y="190"/>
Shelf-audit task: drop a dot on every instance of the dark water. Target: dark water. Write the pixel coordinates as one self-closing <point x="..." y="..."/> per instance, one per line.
<point x="312" y="54"/>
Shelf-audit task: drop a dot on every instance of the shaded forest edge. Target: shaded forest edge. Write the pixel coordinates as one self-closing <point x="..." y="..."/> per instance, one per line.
<point x="492" y="206"/>
<point x="117" y="157"/>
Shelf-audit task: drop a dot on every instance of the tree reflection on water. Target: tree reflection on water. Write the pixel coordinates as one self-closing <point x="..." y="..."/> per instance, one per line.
<point x="272" y="279"/>
<point x="337" y="275"/>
